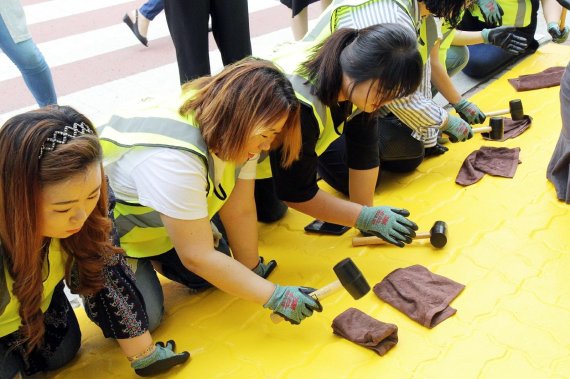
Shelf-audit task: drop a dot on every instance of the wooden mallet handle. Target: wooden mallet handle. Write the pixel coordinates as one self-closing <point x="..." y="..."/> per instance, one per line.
<point x="497" y="112"/>
<point x="562" y="22"/>
<point x="373" y="240"/>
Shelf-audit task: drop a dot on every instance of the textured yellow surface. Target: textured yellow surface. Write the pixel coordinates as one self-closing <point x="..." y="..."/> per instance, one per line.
<point x="509" y="243"/>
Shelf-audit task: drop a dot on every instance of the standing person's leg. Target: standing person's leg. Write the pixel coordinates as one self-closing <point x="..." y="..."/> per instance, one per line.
<point x="151" y="9"/>
<point x="188" y="26"/>
<point x="230" y="27"/>
<point x="31" y="63"/>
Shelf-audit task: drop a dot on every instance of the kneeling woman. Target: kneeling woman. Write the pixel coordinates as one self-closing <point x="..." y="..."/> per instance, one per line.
<point x="53" y="225"/>
<point x="341" y="83"/>
<point x="173" y="168"/>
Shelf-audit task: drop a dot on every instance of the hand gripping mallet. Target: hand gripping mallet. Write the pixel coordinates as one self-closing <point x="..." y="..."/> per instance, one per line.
<point x="496" y="128"/>
<point x="515" y="109"/>
<point x="437" y="237"/>
<point x="349" y="277"/>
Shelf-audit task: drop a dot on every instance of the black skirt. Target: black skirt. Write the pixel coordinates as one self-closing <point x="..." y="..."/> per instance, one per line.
<point x="297" y="5"/>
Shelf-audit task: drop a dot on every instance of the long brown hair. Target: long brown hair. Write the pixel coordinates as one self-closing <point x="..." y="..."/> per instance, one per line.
<point x="230" y="106"/>
<point x="23" y="175"/>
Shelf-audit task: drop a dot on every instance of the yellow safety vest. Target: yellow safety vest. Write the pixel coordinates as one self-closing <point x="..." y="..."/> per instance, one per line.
<point x="53" y="271"/>
<point x="289" y="63"/>
<point x="140" y="228"/>
<point x="517" y="12"/>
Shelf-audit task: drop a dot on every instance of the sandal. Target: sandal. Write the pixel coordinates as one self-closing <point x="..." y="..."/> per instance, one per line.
<point x="135" y="27"/>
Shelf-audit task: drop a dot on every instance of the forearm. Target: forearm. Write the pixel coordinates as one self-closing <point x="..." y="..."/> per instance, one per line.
<point x="463" y="38"/>
<point x="362" y="184"/>
<point x="552" y="10"/>
<point x="326" y="207"/>
<point x="443" y="83"/>
<point x="241" y="229"/>
<point x="229" y="275"/>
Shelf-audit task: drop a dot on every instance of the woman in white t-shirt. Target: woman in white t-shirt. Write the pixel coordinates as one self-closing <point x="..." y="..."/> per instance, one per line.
<point x="175" y="169"/>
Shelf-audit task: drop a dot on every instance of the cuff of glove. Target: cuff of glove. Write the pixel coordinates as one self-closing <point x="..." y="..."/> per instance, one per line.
<point x="460" y="104"/>
<point x="485" y="35"/>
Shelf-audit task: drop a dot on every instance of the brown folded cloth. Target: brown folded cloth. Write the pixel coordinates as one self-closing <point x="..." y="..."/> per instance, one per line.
<point x="420" y="294"/>
<point x="496" y="161"/>
<point x="512" y="128"/>
<point x="358" y="327"/>
<point x="548" y="78"/>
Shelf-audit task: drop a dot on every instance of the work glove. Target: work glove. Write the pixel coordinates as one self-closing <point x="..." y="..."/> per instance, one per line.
<point x="160" y="360"/>
<point x="264" y="269"/>
<point x="564" y="3"/>
<point x="506" y="38"/>
<point x="438" y="149"/>
<point x="492" y="12"/>
<point x="390" y="224"/>
<point x="293" y="303"/>
<point x="469" y="111"/>
<point x="558" y="36"/>
<point x="457" y="129"/>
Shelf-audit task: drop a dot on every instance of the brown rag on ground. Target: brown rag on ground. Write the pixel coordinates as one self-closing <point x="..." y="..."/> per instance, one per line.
<point x="548" y="78"/>
<point x="358" y="327"/>
<point x="422" y="295"/>
<point x="496" y="161"/>
<point x="512" y="128"/>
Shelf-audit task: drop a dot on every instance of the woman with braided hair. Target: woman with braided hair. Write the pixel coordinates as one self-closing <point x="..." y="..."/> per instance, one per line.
<point x="54" y="225"/>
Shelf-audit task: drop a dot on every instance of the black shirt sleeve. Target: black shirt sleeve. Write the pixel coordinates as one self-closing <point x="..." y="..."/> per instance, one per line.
<point x="298" y="183"/>
<point x="362" y="148"/>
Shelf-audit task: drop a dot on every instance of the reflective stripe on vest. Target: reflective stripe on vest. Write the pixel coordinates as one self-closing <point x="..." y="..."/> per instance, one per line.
<point x="517" y="12"/>
<point x="140" y="228"/>
<point x="327" y="21"/>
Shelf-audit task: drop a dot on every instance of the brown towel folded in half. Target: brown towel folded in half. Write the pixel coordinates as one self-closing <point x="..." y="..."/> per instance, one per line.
<point x="420" y="294"/>
<point x="512" y="128"/>
<point x="548" y="78"/>
<point x="496" y="161"/>
<point x="358" y="327"/>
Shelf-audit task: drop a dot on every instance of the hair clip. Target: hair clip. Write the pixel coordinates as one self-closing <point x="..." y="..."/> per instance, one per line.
<point x="61" y="137"/>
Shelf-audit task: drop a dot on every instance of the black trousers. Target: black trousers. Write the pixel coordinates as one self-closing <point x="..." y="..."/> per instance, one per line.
<point x="188" y="24"/>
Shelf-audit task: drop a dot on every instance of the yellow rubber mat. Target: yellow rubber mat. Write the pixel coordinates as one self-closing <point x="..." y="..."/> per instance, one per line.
<point x="509" y="244"/>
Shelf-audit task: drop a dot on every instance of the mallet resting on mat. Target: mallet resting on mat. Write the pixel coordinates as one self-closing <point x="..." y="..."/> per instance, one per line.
<point x="437" y="237"/>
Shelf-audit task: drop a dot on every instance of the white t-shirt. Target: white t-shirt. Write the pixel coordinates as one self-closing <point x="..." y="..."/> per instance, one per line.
<point x="170" y="181"/>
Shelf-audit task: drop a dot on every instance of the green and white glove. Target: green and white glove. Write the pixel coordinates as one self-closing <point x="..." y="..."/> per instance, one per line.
<point x="390" y="224"/>
<point x="264" y="269"/>
<point x="293" y="303"/>
<point x="492" y="12"/>
<point x="469" y="111"/>
<point x="457" y="129"/>
<point x="160" y="360"/>
<point x="558" y="36"/>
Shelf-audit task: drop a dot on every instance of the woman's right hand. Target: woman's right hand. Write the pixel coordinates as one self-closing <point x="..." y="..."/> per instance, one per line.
<point x="162" y="359"/>
<point x="390" y="224"/>
<point x="293" y="303"/>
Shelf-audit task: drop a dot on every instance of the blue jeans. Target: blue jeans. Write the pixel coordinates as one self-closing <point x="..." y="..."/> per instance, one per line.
<point x="31" y="63"/>
<point x="151" y="8"/>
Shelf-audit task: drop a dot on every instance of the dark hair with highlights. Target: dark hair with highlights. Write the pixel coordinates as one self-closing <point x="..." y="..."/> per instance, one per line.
<point x="449" y="10"/>
<point x="230" y="107"/>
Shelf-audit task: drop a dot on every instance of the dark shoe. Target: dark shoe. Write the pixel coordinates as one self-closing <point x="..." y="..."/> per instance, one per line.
<point x="135" y="27"/>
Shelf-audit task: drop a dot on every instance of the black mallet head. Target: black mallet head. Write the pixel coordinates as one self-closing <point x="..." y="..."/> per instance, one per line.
<point x="438" y="234"/>
<point x="351" y="278"/>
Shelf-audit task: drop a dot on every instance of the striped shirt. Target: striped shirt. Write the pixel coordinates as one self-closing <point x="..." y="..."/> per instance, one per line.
<point x="418" y="111"/>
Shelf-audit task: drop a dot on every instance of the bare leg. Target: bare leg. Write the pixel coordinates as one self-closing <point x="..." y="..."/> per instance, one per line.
<point x="299" y="24"/>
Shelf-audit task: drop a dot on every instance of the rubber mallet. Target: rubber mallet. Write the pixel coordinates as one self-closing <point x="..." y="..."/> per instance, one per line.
<point x="496" y="128"/>
<point x="515" y="109"/>
<point x="349" y="277"/>
<point x="437" y="237"/>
